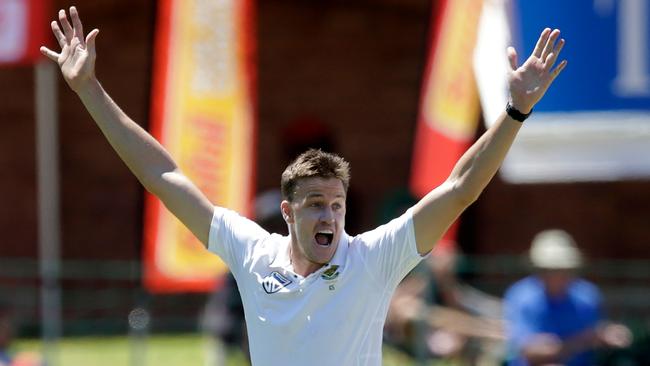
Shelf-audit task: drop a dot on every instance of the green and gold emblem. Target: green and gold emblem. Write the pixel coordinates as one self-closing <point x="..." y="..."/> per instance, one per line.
<point x="331" y="273"/>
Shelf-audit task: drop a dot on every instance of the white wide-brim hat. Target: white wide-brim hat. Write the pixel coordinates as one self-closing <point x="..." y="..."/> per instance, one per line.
<point x="555" y="249"/>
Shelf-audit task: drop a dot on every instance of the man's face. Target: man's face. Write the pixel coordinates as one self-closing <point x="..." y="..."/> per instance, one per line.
<point x="316" y="218"/>
<point x="557" y="281"/>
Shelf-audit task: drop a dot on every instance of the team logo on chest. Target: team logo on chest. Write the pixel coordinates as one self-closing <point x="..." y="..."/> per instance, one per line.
<point x="274" y="282"/>
<point x="331" y="273"/>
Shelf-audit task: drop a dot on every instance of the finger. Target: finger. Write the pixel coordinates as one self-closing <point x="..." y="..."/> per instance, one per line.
<point x="67" y="29"/>
<point x="90" y="39"/>
<point x="541" y="42"/>
<point x="558" y="69"/>
<point x="512" y="57"/>
<point x="60" y="37"/>
<point x="552" y="57"/>
<point x="550" y="44"/>
<point x="50" y="54"/>
<point x="76" y="23"/>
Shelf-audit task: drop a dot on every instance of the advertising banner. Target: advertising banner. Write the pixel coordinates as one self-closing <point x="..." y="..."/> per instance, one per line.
<point x="203" y="113"/>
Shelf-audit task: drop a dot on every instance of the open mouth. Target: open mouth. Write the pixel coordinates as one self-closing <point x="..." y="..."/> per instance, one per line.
<point x="324" y="238"/>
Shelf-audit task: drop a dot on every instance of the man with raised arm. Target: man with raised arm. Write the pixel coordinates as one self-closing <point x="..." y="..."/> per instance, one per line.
<point x="317" y="296"/>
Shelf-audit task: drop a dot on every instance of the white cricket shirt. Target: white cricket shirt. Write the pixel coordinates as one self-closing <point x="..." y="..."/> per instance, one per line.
<point x="334" y="316"/>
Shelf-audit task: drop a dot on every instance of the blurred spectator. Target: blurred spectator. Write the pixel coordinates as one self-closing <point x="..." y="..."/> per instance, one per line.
<point x="554" y="317"/>
<point x="434" y="314"/>
<point x="304" y="133"/>
<point x="267" y="212"/>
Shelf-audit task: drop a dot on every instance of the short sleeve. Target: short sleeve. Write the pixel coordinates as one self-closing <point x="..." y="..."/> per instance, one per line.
<point x="390" y="251"/>
<point x="521" y="322"/>
<point x="232" y="237"/>
<point x="590" y="300"/>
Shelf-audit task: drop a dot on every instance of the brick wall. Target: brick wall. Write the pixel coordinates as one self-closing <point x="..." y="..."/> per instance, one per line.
<point x="607" y="220"/>
<point x="355" y="66"/>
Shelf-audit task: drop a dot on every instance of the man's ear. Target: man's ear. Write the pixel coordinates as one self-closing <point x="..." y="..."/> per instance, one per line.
<point x="287" y="213"/>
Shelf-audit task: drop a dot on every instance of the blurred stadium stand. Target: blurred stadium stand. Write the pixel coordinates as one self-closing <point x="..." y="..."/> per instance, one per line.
<point x="99" y="295"/>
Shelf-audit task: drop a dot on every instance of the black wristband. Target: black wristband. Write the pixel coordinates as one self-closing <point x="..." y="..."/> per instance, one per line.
<point x="516" y="114"/>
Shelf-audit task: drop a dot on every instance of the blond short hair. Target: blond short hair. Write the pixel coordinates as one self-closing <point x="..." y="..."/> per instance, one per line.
<point x="314" y="163"/>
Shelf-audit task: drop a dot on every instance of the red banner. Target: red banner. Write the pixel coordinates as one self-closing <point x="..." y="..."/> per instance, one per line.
<point x="449" y="105"/>
<point x="24" y="27"/>
<point x="203" y="113"/>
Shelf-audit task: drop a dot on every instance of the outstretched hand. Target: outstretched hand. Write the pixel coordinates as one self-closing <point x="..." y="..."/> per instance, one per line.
<point x="529" y="82"/>
<point x="77" y="56"/>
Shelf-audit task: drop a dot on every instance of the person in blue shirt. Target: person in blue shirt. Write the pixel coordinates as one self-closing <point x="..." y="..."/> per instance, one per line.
<point x="554" y="317"/>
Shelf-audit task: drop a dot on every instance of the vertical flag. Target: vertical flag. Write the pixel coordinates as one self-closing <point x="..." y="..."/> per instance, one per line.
<point x="449" y="106"/>
<point x="23" y="29"/>
<point x="203" y="113"/>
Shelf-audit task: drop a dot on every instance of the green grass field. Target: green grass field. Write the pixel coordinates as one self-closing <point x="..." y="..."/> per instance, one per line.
<point x="161" y="350"/>
<point x="158" y="350"/>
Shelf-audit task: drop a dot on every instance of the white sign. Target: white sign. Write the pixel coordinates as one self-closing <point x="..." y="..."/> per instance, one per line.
<point x="13" y="30"/>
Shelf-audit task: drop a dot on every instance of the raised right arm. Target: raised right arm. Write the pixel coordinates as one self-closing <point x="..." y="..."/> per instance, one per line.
<point x="145" y="157"/>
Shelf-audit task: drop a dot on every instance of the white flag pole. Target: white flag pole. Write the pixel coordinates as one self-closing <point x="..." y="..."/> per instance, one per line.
<point x="49" y="236"/>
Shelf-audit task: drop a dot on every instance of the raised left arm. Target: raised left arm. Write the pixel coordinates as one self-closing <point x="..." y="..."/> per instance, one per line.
<point x="434" y="213"/>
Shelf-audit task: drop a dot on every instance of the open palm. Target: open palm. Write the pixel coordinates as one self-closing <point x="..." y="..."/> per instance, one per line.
<point x="529" y="82"/>
<point x="77" y="56"/>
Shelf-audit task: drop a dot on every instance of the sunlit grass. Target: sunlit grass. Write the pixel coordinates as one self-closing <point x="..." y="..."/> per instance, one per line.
<point x="157" y="350"/>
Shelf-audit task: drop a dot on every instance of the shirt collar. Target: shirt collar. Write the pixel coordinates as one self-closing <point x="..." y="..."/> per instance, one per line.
<point x="341" y="250"/>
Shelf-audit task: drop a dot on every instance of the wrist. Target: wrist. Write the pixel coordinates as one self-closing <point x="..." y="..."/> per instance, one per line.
<point x="87" y="87"/>
<point x="516" y="113"/>
<point x="521" y="107"/>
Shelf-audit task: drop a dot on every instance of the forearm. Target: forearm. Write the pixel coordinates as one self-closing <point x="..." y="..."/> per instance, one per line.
<point x="144" y="156"/>
<point x="527" y="83"/>
<point x="548" y="349"/>
<point x="477" y="166"/>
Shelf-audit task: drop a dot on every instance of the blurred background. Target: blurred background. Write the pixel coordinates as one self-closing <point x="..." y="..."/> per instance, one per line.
<point x="349" y="76"/>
